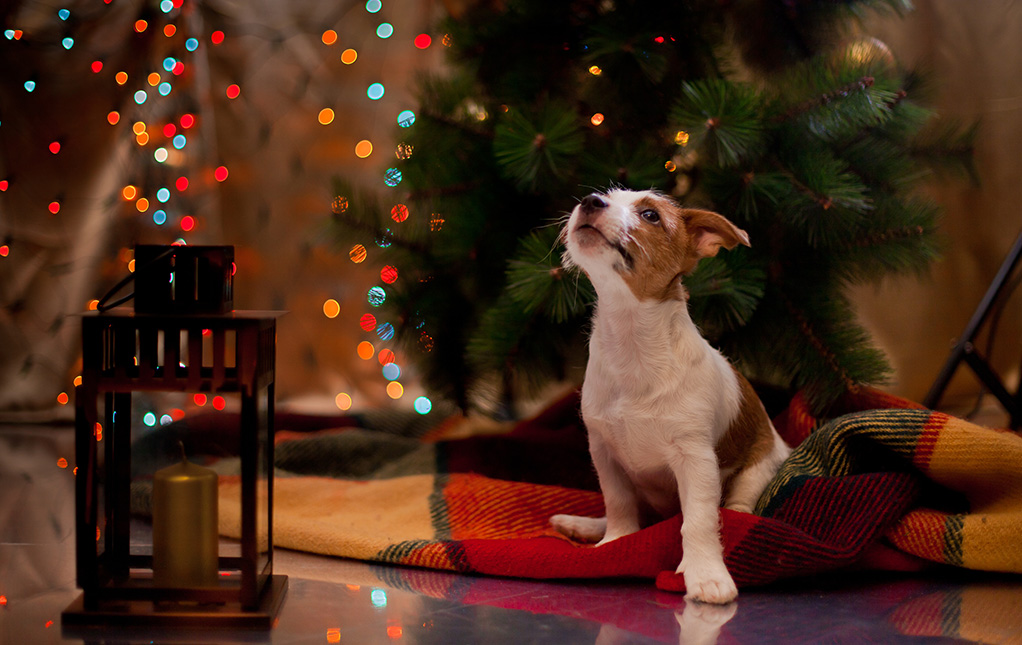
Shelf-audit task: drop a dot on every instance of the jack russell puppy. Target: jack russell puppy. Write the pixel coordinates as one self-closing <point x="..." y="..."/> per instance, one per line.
<point x="672" y="425"/>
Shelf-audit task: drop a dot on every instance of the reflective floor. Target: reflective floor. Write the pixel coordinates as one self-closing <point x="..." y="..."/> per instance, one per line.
<point x="338" y="601"/>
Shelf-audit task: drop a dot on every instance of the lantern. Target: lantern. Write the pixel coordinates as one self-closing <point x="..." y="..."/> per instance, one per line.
<point x="181" y="337"/>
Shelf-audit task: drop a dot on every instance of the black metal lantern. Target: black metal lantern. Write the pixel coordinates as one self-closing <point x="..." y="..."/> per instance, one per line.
<point x="185" y="339"/>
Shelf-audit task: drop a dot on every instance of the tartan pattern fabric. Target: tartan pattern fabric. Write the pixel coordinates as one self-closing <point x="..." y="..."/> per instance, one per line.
<point x="892" y="486"/>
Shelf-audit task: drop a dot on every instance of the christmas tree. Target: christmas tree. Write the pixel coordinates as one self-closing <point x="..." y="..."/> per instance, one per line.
<point x="775" y="114"/>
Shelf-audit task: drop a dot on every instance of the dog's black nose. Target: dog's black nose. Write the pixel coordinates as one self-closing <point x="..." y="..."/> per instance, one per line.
<point x="592" y="203"/>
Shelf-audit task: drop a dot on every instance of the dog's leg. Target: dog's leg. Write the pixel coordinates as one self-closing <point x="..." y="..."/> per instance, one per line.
<point x="702" y="561"/>
<point x="749" y="484"/>
<point x="619" y="495"/>
<point x="619" y="498"/>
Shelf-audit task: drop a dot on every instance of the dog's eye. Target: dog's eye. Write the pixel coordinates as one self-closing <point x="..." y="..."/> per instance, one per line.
<point x="650" y="216"/>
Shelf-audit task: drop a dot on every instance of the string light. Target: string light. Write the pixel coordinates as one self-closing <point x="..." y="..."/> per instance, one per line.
<point x="365" y="350"/>
<point x="422" y="405"/>
<point x="331" y="308"/>
<point x="343" y="402"/>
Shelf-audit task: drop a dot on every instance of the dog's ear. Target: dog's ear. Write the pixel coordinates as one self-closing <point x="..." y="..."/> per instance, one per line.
<point x="709" y="231"/>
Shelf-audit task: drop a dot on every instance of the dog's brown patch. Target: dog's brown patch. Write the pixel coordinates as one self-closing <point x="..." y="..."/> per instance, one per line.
<point x="662" y="253"/>
<point x="750" y="437"/>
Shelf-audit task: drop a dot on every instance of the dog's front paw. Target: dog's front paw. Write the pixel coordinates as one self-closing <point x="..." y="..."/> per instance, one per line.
<point x="583" y="529"/>
<point x="708" y="583"/>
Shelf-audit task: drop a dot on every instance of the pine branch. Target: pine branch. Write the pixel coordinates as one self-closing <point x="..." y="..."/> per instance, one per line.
<point x="825" y="99"/>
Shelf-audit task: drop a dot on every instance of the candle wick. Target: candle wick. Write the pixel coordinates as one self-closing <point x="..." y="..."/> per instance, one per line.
<point x="184" y="457"/>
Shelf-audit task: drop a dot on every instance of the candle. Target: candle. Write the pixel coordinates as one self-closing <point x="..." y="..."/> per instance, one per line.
<point x="185" y="543"/>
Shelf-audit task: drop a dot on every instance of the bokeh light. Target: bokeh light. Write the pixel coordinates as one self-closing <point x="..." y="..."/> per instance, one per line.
<point x="395" y="390"/>
<point x="233" y="91"/>
<point x="404" y="151"/>
<point x="367" y="322"/>
<point x="376" y="296"/>
<point x="597" y="119"/>
<point x="373" y="6"/>
<point x="187" y="223"/>
<point x="220" y="174"/>
<point x="326" y="116"/>
<point x="375" y="91"/>
<point x="339" y="205"/>
<point x="422" y="41"/>
<point x="363" y="148"/>
<point x="365" y="350"/>
<point x="343" y="401"/>
<point x="349" y="56"/>
<point x="392" y="177"/>
<point x="399" y="213"/>
<point x="385" y="30"/>
<point x="423" y="405"/>
<point x="406" y="118"/>
<point x="391" y="371"/>
<point x="331" y="308"/>
<point x="387" y="357"/>
<point x="385" y="331"/>
<point x="388" y="274"/>
<point x="358" y="254"/>
<point x="329" y="37"/>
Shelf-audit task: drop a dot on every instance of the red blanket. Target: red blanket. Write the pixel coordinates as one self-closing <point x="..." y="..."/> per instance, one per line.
<point x="886" y="485"/>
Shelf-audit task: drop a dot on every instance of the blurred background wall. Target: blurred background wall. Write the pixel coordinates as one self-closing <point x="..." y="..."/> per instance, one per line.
<point x="66" y="226"/>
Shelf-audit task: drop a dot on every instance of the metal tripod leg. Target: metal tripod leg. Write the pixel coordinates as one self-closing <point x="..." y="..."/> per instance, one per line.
<point x="965" y="349"/>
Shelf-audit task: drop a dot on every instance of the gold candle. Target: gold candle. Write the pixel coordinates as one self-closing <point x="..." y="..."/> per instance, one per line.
<point x="185" y="543"/>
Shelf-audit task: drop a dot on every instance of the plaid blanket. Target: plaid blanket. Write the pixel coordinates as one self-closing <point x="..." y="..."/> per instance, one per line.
<point x="884" y="485"/>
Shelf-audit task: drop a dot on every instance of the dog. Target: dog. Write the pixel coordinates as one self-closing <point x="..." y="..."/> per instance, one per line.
<point x="672" y="425"/>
